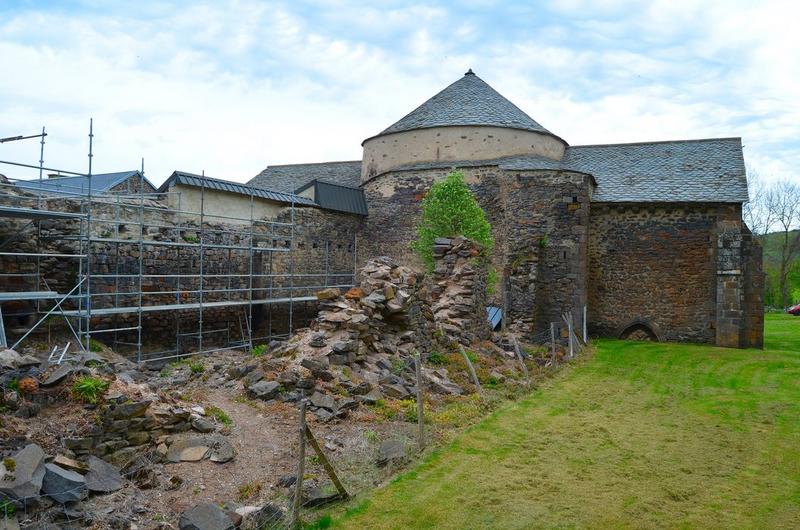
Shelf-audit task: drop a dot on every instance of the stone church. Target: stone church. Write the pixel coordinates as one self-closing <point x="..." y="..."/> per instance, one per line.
<point x="647" y="236"/>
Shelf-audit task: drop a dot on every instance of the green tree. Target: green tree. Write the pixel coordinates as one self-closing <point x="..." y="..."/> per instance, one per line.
<point x="449" y="209"/>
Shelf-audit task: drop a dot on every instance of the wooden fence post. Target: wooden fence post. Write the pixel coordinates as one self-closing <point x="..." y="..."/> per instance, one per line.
<point x="301" y="469"/>
<point x="420" y="407"/>
<point x="312" y="441"/>
<point x="522" y="362"/>
<point x="471" y="368"/>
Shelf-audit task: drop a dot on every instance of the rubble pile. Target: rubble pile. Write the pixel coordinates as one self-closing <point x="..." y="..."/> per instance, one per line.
<point x="359" y="350"/>
<point x="459" y="293"/>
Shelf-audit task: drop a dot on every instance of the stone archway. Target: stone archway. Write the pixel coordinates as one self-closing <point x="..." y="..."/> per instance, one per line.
<point x="639" y="329"/>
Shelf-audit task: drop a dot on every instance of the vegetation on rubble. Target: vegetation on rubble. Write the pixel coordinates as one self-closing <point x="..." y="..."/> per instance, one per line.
<point x="197" y="367"/>
<point x="259" y="350"/>
<point x="89" y="389"/>
<point x="7" y="509"/>
<point x="219" y="415"/>
<point x="449" y="209"/>
<point x="638" y="434"/>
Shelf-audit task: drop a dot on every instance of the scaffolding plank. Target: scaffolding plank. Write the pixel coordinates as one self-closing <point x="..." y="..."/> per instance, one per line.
<point x="31" y="213"/>
<point x="105" y="311"/>
<point x="28" y="295"/>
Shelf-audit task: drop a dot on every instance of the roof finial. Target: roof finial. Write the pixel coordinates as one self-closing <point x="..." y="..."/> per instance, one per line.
<point x="470" y="72"/>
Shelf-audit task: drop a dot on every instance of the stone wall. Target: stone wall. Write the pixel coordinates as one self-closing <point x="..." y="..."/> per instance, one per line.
<point x="652" y="265"/>
<point x="324" y="251"/>
<point x="686" y="272"/>
<point x="457" y="143"/>
<point x="539" y="223"/>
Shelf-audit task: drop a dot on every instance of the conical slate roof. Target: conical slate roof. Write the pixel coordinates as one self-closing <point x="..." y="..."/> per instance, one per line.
<point x="468" y="101"/>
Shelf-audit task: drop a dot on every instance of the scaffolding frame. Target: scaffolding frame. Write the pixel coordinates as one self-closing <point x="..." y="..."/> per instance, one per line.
<point x="100" y="220"/>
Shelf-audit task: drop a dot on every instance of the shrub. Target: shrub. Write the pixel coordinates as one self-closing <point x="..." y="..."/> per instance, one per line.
<point x="95" y="345"/>
<point x="248" y="491"/>
<point x="89" y="389"/>
<point x="259" y="350"/>
<point x="219" y="415"/>
<point x="436" y="357"/>
<point x="492" y="280"/>
<point x="449" y="209"/>
<point x="197" y="367"/>
<point x="7" y="509"/>
<point x="10" y="464"/>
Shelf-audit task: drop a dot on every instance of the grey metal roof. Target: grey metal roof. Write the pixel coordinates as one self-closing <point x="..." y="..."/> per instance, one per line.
<point x="468" y="101"/>
<point x="190" y="179"/>
<point x="288" y="178"/>
<point x="337" y="197"/>
<point x="79" y="185"/>
<point x="709" y="170"/>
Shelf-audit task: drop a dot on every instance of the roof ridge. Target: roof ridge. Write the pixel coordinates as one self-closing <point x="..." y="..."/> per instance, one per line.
<point x="316" y="163"/>
<point x="693" y="140"/>
<point x="330" y="183"/>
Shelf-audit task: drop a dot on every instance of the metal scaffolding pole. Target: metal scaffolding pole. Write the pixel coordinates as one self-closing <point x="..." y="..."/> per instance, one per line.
<point x="141" y="263"/>
<point x="89" y="242"/>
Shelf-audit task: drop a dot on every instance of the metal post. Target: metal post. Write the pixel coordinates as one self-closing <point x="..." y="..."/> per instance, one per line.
<point x="202" y="261"/>
<point x="250" y="281"/>
<point x="301" y="468"/>
<point x="553" y="343"/>
<point x="585" y="332"/>
<point x="569" y="334"/>
<point x="504" y="318"/>
<point x="420" y="407"/>
<point x="141" y="262"/>
<point x="88" y="293"/>
<point x="291" y="271"/>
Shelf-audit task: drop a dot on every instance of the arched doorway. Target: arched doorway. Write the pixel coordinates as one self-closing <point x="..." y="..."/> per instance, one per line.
<point x="639" y="329"/>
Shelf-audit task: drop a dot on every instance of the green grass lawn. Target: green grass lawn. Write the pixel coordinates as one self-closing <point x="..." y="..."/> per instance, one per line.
<point x="641" y="435"/>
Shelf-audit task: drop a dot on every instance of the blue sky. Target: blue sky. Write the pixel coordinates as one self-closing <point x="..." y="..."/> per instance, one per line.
<point x="230" y="87"/>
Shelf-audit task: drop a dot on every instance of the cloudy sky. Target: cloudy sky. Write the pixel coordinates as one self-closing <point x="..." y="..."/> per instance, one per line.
<point x="230" y="87"/>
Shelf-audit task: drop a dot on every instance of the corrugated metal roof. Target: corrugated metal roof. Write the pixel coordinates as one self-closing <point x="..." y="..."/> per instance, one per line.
<point x="337" y="197"/>
<point x="79" y="185"/>
<point x="200" y="181"/>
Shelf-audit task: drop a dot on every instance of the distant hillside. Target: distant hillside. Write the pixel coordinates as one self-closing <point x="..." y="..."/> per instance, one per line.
<point x="772" y="249"/>
<point x="772" y="252"/>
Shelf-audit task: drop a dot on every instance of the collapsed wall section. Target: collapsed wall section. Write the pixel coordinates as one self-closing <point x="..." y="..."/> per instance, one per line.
<point x="539" y="223"/>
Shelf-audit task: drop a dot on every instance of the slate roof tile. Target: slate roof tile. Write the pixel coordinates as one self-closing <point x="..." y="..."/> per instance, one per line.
<point x="468" y="101"/>
<point x="288" y="178"/>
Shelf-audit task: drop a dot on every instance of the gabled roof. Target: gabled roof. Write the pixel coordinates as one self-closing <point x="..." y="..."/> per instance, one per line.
<point x="468" y="101"/>
<point x="288" y="178"/>
<point x="198" y="181"/>
<point x="337" y="197"/>
<point x="708" y="170"/>
<point x="79" y="185"/>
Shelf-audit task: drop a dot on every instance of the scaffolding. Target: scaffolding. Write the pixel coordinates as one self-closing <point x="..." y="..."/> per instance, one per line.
<point x="227" y="275"/>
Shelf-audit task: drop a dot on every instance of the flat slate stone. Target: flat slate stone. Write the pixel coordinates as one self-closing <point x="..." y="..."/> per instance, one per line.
<point x="63" y="485"/>
<point x="391" y="451"/>
<point x="207" y="516"/>
<point x="102" y="476"/>
<point x="28" y="474"/>
<point x="188" y="450"/>
<point x="265" y="390"/>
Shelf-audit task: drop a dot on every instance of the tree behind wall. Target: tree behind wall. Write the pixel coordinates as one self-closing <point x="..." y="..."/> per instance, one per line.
<point x="449" y="209"/>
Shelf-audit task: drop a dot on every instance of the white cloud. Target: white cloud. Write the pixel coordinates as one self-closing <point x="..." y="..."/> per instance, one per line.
<point x="232" y="87"/>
